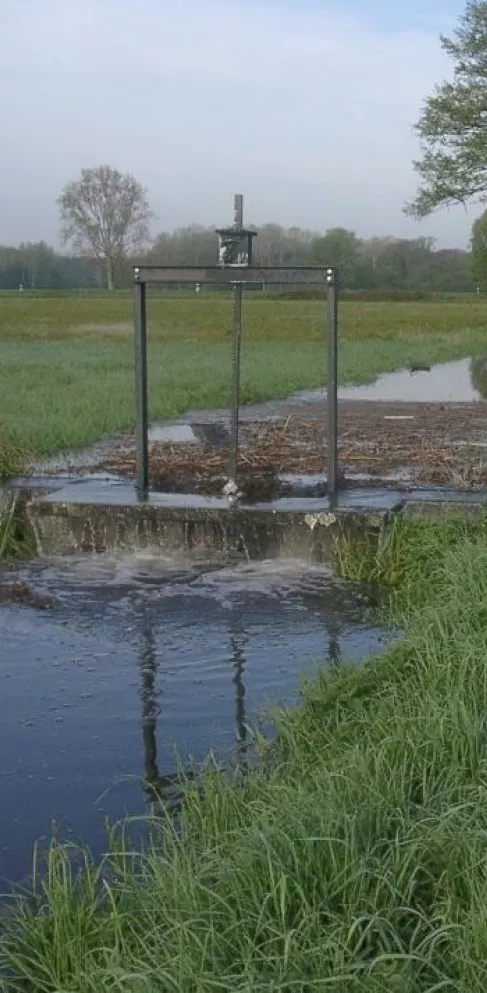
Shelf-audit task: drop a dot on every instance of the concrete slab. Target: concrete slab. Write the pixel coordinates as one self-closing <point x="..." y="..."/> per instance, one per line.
<point x="96" y="514"/>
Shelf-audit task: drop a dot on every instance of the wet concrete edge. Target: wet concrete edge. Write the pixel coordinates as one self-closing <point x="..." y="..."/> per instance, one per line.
<point x="62" y="528"/>
<point x="105" y="515"/>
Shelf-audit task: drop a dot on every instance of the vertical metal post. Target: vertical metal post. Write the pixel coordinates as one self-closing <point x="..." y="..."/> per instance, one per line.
<point x="238" y="211"/>
<point x="236" y="339"/>
<point x="142" y="422"/>
<point x="332" y="381"/>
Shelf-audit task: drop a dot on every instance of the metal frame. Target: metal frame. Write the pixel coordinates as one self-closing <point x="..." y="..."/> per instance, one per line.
<point x="238" y="277"/>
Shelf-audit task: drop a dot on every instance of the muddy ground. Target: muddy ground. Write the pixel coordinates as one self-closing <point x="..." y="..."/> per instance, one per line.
<point x="400" y="444"/>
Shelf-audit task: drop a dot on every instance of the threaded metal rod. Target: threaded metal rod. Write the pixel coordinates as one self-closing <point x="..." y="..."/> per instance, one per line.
<point x="142" y="420"/>
<point x="235" y="409"/>
<point x="332" y="386"/>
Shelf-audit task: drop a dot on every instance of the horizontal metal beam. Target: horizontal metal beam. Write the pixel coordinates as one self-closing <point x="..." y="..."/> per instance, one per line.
<point x="218" y="276"/>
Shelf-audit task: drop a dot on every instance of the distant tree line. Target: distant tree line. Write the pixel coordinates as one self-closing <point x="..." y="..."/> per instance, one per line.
<point x="105" y="219"/>
<point x="386" y="263"/>
<point x="36" y="266"/>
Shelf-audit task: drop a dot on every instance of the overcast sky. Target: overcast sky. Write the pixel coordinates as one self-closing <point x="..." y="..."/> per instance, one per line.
<point x="305" y="106"/>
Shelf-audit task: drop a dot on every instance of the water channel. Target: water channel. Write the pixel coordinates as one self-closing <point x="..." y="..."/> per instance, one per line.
<point x="112" y="666"/>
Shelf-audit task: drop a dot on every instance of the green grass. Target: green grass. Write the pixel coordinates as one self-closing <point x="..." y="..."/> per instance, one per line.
<point x="66" y="363"/>
<point x="209" y="317"/>
<point x="13" y="531"/>
<point x="352" y="860"/>
<point x="13" y="458"/>
<point x="7" y="525"/>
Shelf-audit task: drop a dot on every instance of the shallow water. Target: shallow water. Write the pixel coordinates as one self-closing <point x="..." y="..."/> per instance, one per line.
<point x="139" y="657"/>
<point x="448" y="382"/>
<point x="461" y="381"/>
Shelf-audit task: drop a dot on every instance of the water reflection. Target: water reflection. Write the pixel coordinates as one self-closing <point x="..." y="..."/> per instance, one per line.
<point x="334" y="650"/>
<point x="157" y="787"/>
<point x="141" y="659"/>
<point x="478" y="374"/>
<point x="460" y="381"/>
<point x="238" y="641"/>
<point x="165" y="786"/>
<point x="148" y="698"/>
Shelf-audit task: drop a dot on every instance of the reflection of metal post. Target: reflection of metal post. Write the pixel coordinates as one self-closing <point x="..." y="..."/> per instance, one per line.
<point x="335" y="652"/>
<point x="332" y="381"/>
<point x="142" y="425"/>
<point x="239" y="669"/>
<point x="159" y="789"/>
<point x="148" y="672"/>
<point x="237" y="641"/>
<point x="333" y="628"/>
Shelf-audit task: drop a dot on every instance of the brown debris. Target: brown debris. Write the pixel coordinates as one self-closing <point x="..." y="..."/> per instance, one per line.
<point x="432" y="443"/>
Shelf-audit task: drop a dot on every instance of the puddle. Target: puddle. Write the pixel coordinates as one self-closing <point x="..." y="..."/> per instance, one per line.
<point x="212" y="435"/>
<point x="208" y="433"/>
<point x="314" y="484"/>
<point x="449" y="382"/>
<point x="139" y="656"/>
<point x="176" y="434"/>
<point x="463" y="381"/>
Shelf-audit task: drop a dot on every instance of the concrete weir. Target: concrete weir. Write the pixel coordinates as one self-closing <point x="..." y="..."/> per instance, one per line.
<point x="89" y="514"/>
<point x="93" y="515"/>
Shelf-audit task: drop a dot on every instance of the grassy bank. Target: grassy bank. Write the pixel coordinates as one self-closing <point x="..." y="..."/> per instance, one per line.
<point x="353" y="860"/>
<point x="66" y="364"/>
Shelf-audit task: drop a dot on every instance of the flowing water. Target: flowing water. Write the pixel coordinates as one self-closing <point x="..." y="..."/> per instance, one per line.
<point x="111" y="665"/>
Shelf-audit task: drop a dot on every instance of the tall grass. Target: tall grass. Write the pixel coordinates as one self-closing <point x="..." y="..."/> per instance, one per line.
<point x="353" y="859"/>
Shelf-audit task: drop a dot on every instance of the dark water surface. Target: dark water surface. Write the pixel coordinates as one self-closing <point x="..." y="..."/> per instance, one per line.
<point x="139" y="657"/>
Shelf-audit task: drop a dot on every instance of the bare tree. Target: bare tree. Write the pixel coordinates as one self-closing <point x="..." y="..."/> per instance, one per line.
<point x="106" y="215"/>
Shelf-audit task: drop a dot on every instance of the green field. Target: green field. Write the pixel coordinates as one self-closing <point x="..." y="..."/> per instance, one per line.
<point x="66" y="363"/>
<point x="353" y="860"/>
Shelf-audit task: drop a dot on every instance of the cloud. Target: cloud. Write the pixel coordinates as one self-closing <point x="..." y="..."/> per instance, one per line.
<point x="307" y="110"/>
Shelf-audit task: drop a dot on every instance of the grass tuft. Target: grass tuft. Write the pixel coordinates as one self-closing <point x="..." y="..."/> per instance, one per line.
<point x="16" y="539"/>
<point x="13" y="458"/>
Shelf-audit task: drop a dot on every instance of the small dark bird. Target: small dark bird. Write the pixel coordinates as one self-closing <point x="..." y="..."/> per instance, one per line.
<point x="417" y="367"/>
